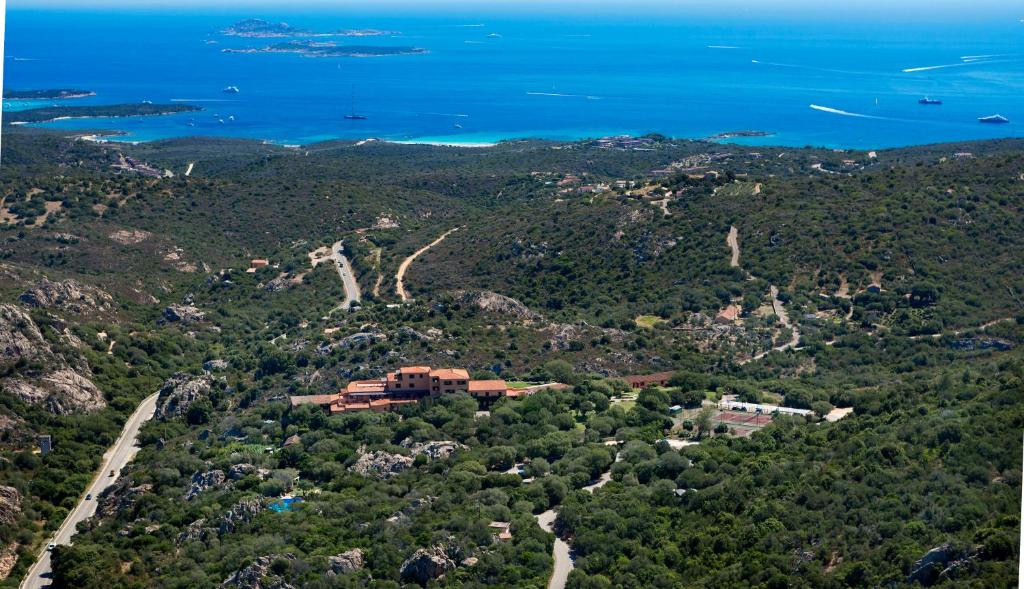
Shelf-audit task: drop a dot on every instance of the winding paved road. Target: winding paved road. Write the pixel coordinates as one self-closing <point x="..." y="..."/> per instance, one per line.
<point x="348" y="277"/>
<point x="561" y="551"/>
<point x="399" y="287"/>
<point x="115" y="459"/>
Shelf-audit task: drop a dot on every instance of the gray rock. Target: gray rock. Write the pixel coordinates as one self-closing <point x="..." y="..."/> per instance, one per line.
<point x="120" y="498"/>
<point x="240" y="513"/>
<point x="239" y="471"/>
<point x="357" y="339"/>
<point x="67" y="295"/>
<point x="179" y="392"/>
<point x="427" y="564"/>
<point x="435" y="450"/>
<point x="492" y="302"/>
<point x="380" y="464"/>
<point x="258" y="575"/>
<point x="941" y="563"/>
<point x="197" y="530"/>
<point x="10" y="505"/>
<point x="202" y="481"/>
<point x="40" y="374"/>
<point x="347" y="562"/>
<point x="214" y="365"/>
<point x="183" y="314"/>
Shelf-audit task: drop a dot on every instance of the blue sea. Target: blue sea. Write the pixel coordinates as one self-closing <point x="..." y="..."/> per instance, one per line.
<point x="493" y="74"/>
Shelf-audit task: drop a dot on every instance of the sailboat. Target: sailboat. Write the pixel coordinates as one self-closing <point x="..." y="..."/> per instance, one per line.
<point x="352" y="115"/>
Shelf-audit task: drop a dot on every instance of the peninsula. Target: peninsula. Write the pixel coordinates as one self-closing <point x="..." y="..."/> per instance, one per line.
<point x="259" y="28"/>
<point x="329" y="49"/>
<point x="48" y="94"/>
<point x="734" y="134"/>
<point x="54" y="113"/>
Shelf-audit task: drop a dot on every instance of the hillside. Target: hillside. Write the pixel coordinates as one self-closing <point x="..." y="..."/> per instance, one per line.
<point x="889" y="285"/>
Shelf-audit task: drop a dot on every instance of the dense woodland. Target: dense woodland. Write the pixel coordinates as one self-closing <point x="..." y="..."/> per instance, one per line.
<point x="609" y="284"/>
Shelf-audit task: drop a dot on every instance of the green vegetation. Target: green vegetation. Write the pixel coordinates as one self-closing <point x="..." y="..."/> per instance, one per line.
<point x="50" y="113"/>
<point x="46" y="94"/>
<point x="603" y="284"/>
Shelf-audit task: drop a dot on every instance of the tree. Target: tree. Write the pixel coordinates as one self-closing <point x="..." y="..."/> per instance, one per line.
<point x="703" y="422"/>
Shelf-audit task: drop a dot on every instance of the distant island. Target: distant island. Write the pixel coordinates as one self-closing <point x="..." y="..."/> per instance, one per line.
<point x="49" y="94"/>
<point x="259" y="28"/>
<point x="329" y="49"/>
<point x="54" y="113"/>
<point x="734" y="134"/>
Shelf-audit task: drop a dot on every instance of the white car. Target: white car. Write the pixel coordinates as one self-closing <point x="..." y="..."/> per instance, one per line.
<point x="51" y="546"/>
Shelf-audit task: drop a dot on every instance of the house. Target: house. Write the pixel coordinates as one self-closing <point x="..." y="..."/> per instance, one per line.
<point x="503" y="529"/>
<point x="658" y="379"/>
<point x="728" y="314"/>
<point x="449" y="380"/>
<point x="487" y="391"/>
<point x="257" y="263"/>
<point x="406" y="385"/>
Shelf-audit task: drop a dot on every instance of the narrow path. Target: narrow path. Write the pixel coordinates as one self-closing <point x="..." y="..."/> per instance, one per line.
<point x="399" y="287"/>
<point x="115" y="459"/>
<point x="957" y="332"/>
<point x="188" y="172"/>
<point x="734" y="245"/>
<point x="780" y="312"/>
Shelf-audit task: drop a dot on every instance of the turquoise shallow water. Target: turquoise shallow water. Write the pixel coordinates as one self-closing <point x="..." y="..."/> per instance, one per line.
<point x="557" y="75"/>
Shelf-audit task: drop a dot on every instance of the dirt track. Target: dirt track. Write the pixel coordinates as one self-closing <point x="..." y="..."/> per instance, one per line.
<point x="399" y="286"/>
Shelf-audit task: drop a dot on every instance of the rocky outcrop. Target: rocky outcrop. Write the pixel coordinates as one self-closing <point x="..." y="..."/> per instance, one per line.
<point x="239" y="471"/>
<point x="345" y="563"/>
<point x="67" y="295"/>
<point x="119" y="498"/>
<point x="197" y="530"/>
<point x="10" y="505"/>
<point x="41" y="375"/>
<point x="70" y="392"/>
<point x="492" y="302"/>
<point x="380" y="464"/>
<point x="944" y="562"/>
<point x="215" y="365"/>
<point x="8" y="558"/>
<point x="178" y="393"/>
<point x="202" y="481"/>
<point x="183" y="314"/>
<point x="357" y="339"/>
<point x="427" y="564"/>
<point x="435" y="450"/>
<point x="240" y="513"/>
<point x="129" y="236"/>
<point x="259" y="575"/>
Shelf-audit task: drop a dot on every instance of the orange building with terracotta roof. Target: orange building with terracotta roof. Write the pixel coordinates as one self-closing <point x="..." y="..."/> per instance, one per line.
<point x="406" y="385"/>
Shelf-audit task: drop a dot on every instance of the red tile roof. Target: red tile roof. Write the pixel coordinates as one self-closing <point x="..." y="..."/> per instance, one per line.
<point x="414" y="369"/>
<point x="312" y="399"/>
<point x="450" y="373"/>
<point x="480" y="386"/>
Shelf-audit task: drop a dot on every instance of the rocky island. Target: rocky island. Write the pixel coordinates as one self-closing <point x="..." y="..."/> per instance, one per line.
<point x="48" y="94"/>
<point x="329" y="49"/>
<point x="54" y="113"/>
<point x="259" y="28"/>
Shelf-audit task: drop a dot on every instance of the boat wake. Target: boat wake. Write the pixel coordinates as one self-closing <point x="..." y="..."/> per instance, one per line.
<point x="926" y="68"/>
<point x="845" y="113"/>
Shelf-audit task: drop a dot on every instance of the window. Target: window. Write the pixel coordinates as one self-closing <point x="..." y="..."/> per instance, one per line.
<point x="447" y="382"/>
